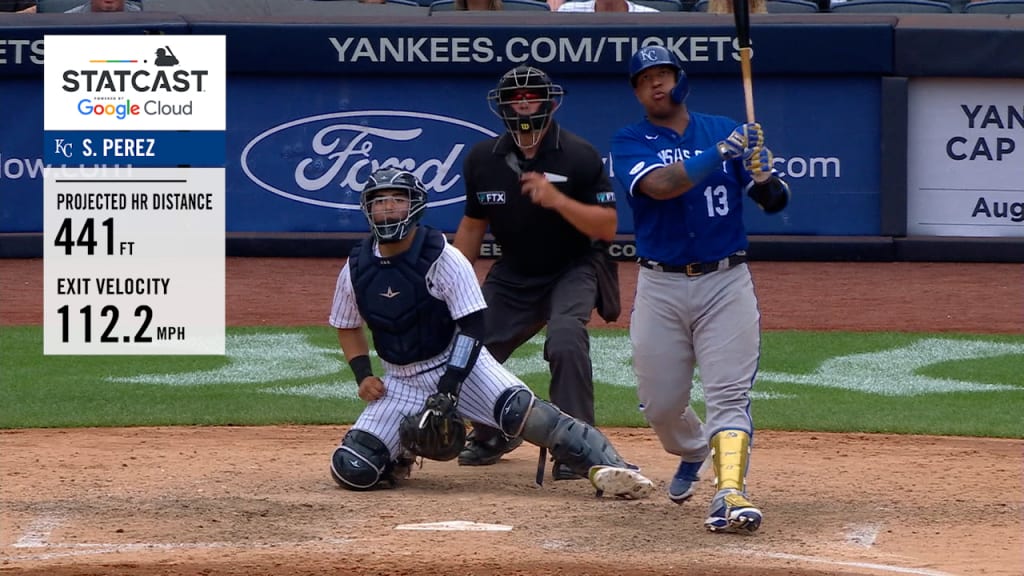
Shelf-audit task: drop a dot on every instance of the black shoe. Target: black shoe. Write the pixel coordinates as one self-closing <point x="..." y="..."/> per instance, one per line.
<point x="561" y="471"/>
<point x="486" y="452"/>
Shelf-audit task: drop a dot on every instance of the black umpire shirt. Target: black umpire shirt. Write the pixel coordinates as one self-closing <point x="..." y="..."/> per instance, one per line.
<point x="534" y="240"/>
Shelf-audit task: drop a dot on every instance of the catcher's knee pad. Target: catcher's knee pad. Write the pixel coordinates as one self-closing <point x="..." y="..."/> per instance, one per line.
<point x="512" y="409"/>
<point x="361" y="462"/>
<point x="572" y="442"/>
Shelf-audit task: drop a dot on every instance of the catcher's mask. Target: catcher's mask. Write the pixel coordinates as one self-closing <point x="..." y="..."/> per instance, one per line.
<point x="529" y="84"/>
<point x="395" y="221"/>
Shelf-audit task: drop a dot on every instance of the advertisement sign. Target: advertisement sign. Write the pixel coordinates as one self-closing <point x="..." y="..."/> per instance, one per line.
<point x="418" y="46"/>
<point x="299" y="148"/>
<point x="303" y="161"/>
<point x="966" y="157"/>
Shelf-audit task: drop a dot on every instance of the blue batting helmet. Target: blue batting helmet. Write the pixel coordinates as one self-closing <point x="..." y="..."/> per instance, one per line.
<point x="650" y="56"/>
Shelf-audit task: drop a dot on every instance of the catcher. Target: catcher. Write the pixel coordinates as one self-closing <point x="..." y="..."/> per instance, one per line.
<point x="421" y="301"/>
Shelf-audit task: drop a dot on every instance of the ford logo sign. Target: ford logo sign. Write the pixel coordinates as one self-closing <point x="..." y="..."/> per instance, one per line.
<point x="325" y="160"/>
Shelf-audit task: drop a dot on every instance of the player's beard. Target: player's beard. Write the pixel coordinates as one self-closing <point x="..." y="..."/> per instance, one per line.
<point x="669" y="115"/>
<point x="663" y="110"/>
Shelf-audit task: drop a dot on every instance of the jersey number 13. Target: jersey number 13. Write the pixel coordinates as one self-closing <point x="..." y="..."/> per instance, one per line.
<point x="718" y="200"/>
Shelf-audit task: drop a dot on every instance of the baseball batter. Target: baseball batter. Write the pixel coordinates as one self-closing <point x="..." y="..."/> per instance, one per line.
<point x="686" y="174"/>
<point x="420" y="299"/>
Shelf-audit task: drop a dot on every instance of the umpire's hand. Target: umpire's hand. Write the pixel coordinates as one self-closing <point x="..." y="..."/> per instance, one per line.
<point x="371" y="388"/>
<point x="536" y="186"/>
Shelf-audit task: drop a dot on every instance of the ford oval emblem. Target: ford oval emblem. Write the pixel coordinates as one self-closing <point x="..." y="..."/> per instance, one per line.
<point x="324" y="160"/>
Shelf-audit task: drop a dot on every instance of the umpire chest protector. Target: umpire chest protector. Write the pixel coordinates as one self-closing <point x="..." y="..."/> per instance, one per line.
<point x="408" y="324"/>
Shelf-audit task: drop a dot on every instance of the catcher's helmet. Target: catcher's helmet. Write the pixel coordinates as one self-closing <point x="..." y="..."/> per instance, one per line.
<point x="392" y="179"/>
<point x="650" y="56"/>
<point x="529" y="84"/>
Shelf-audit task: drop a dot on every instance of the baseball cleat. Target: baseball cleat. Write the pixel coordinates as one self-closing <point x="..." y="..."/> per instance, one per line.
<point x="485" y="453"/>
<point x="560" y="471"/>
<point x="730" y="511"/>
<point x="620" y="482"/>
<point x="684" y="483"/>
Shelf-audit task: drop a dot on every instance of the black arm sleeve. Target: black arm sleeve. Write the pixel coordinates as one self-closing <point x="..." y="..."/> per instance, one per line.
<point x="472" y="324"/>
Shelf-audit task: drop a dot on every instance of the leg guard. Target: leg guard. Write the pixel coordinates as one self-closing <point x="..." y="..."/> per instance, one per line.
<point x="730" y="451"/>
<point x="572" y="442"/>
<point x="361" y="462"/>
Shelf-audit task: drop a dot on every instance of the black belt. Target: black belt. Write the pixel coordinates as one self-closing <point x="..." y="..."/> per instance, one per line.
<point x="696" y="268"/>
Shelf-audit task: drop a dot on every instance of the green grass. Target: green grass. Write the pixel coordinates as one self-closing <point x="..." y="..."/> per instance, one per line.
<point x="900" y="383"/>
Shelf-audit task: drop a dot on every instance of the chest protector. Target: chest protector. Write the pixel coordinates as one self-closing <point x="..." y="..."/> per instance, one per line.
<point x="408" y="324"/>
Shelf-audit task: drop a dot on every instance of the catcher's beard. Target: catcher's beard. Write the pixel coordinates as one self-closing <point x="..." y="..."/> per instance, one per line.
<point x="731" y="456"/>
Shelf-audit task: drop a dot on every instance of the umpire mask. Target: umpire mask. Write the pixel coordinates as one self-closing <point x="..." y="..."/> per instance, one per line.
<point x="525" y="84"/>
<point x="393" y="202"/>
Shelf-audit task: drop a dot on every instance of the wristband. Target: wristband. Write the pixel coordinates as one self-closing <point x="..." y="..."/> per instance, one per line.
<point x="702" y="165"/>
<point x="360" y="366"/>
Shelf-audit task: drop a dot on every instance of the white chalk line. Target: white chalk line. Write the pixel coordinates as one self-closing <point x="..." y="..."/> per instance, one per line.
<point x="847" y="563"/>
<point x="86" y="549"/>
<point x="38" y="531"/>
<point x="83" y="549"/>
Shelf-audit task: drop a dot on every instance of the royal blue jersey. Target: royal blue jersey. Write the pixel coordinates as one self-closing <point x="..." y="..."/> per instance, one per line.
<point x="703" y="225"/>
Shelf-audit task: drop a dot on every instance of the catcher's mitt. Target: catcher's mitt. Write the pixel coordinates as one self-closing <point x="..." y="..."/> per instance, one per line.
<point x="437" y="432"/>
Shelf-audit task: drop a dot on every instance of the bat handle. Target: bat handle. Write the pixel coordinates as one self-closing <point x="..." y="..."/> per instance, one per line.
<point x="748" y="84"/>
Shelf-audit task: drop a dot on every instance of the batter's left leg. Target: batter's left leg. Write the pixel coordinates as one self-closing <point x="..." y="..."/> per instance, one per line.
<point x="728" y="350"/>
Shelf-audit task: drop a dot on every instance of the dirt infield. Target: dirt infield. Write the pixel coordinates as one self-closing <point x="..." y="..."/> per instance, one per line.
<point x="258" y="500"/>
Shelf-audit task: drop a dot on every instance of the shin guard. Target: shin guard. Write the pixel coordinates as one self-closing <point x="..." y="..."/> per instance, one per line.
<point x="572" y="442"/>
<point x="730" y="450"/>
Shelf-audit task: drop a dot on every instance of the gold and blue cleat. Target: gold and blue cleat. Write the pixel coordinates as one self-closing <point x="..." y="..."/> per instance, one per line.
<point x="731" y="512"/>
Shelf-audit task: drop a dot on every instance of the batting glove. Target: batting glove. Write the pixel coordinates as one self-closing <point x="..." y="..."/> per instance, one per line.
<point x="758" y="161"/>
<point x="743" y="138"/>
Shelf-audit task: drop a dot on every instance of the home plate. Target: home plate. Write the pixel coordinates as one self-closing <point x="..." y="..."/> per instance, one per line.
<point x="456" y="525"/>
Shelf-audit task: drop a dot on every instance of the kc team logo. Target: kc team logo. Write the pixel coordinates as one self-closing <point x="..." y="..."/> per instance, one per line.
<point x="140" y="83"/>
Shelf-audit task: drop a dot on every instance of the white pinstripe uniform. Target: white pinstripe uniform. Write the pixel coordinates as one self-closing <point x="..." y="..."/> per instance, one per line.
<point x="452" y="280"/>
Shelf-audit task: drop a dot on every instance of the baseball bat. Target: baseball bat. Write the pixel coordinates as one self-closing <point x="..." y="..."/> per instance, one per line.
<point x="741" y="12"/>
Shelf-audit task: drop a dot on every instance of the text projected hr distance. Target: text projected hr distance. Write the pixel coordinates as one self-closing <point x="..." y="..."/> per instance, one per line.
<point x="134" y="261"/>
<point x="134" y="208"/>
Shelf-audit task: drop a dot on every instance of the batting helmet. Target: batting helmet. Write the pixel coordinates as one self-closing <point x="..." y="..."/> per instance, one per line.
<point x="650" y="56"/>
<point x="393" y="228"/>
<point x="529" y="84"/>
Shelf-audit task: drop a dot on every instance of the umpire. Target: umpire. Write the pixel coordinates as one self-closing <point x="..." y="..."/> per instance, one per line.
<point x="544" y="194"/>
